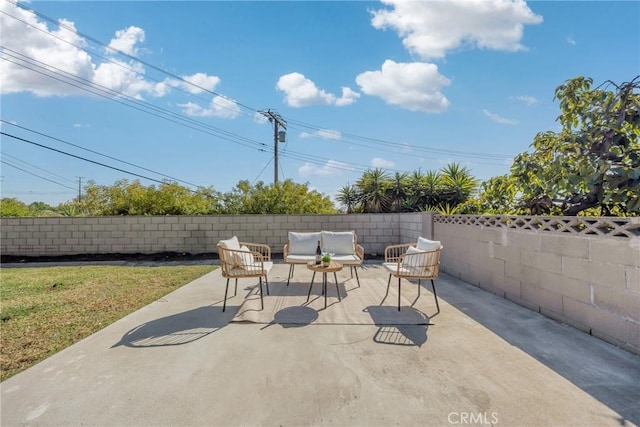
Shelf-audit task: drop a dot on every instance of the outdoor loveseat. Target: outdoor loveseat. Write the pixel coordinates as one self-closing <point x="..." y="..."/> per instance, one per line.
<point x="301" y="248"/>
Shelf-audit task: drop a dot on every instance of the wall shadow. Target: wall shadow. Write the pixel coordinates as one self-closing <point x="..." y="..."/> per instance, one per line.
<point x="606" y="372"/>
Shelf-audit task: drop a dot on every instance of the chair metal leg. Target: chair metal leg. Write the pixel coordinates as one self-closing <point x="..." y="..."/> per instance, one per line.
<point x="419" y="286"/>
<point x="266" y="281"/>
<point x="433" y="286"/>
<point x="335" y="276"/>
<point x="261" y="299"/>
<point x="290" y="273"/>
<point x="357" y="278"/>
<point x="235" y="290"/>
<point x="399" y="293"/>
<point x="226" y="289"/>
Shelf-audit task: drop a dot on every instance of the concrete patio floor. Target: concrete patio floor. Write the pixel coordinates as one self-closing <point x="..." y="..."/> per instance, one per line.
<point x="179" y="362"/>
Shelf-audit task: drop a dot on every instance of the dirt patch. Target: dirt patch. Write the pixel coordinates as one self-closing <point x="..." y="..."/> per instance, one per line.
<point x="136" y="257"/>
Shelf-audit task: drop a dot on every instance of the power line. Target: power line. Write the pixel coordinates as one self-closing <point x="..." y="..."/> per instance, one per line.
<point x="36" y="175"/>
<point x="36" y="167"/>
<point x="84" y="159"/>
<point x="120" y="98"/>
<point x="112" y="49"/>
<point x="191" y="123"/>
<point x="96" y="152"/>
<point x="380" y="142"/>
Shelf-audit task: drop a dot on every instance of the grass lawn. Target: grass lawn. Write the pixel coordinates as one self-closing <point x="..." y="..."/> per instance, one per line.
<point x="44" y="310"/>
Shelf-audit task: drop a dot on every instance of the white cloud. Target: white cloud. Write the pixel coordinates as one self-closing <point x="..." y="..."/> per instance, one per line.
<point x="348" y="97"/>
<point x="200" y="82"/>
<point x="529" y="100"/>
<point x="322" y="133"/>
<point x="571" y="41"/>
<point x="332" y="167"/>
<point x="34" y="41"/>
<point x="220" y="107"/>
<point x="126" y="78"/>
<point x="59" y="49"/>
<point x="125" y="40"/>
<point x="499" y="119"/>
<point x="431" y="29"/>
<point x="301" y="92"/>
<point x="260" y="118"/>
<point x="415" y="86"/>
<point x="378" y="162"/>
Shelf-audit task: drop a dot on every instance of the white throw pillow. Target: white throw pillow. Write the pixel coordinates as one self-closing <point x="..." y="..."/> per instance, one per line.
<point x="231" y="243"/>
<point x="303" y="243"/>
<point x="244" y="258"/>
<point x="428" y="245"/>
<point x="342" y="242"/>
<point x="414" y="261"/>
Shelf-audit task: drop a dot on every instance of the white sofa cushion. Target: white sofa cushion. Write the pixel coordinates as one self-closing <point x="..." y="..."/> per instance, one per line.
<point x="303" y="243"/>
<point x="231" y="243"/>
<point x="342" y="242"/>
<point x="347" y="259"/>
<point x="428" y="245"/>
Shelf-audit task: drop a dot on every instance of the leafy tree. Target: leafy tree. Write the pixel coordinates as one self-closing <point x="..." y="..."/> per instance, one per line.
<point x="70" y="208"/>
<point x="40" y="208"/>
<point x="280" y="198"/>
<point x="378" y="192"/>
<point x="373" y="186"/>
<point x="348" y="197"/>
<point x="133" y="198"/>
<point x="593" y="162"/>
<point x="397" y="191"/>
<point x="457" y="184"/>
<point x="432" y="188"/>
<point x="497" y="196"/>
<point x="11" y="207"/>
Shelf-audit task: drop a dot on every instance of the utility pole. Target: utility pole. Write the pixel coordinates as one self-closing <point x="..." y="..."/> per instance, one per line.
<point x="79" y="188"/>
<point x="278" y="136"/>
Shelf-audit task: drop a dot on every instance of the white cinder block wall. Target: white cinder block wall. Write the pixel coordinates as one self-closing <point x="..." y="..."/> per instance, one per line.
<point x="190" y="234"/>
<point x="590" y="281"/>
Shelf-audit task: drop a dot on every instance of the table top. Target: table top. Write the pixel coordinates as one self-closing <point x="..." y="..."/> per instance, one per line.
<point x="331" y="268"/>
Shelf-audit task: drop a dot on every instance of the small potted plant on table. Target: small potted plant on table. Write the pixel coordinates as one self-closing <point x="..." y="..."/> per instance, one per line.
<point x="326" y="260"/>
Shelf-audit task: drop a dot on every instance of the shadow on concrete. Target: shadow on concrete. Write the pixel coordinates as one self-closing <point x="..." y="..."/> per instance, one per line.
<point x="177" y="329"/>
<point x="414" y="334"/>
<point x="295" y="317"/>
<point x="606" y="372"/>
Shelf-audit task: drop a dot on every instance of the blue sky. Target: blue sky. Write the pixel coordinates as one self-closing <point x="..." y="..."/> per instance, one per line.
<point x="178" y="87"/>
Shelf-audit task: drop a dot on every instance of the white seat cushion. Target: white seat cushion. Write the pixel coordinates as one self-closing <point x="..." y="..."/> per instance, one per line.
<point x="347" y="259"/>
<point x="428" y="245"/>
<point x="299" y="259"/>
<point x="255" y="268"/>
<point x="342" y="242"/>
<point x="303" y="243"/>
<point x="392" y="267"/>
